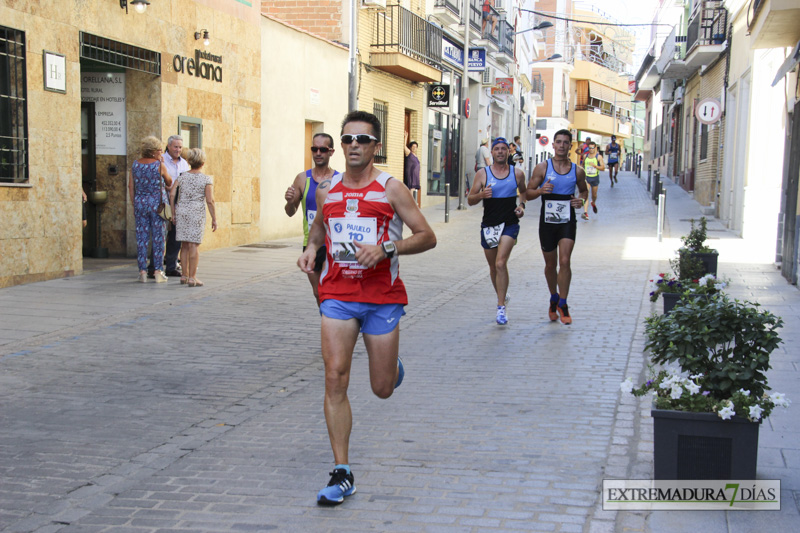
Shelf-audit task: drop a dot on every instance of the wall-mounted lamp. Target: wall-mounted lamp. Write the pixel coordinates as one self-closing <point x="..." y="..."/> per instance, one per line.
<point x="543" y="25"/>
<point x="204" y="35"/>
<point x="554" y="57"/>
<point x="139" y="5"/>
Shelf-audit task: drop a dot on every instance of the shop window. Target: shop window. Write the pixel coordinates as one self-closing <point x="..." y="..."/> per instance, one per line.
<point x="191" y="129"/>
<point x="703" y="142"/>
<point x="13" y="107"/>
<point x="381" y="110"/>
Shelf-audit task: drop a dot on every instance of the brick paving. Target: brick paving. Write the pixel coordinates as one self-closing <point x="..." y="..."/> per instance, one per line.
<point x="150" y="408"/>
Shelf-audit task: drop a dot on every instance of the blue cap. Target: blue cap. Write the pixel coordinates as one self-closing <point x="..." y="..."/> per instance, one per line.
<point x="499" y="140"/>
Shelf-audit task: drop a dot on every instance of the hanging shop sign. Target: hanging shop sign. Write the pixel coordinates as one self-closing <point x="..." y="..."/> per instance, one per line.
<point x="503" y="86"/>
<point x="197" y="67"/>
<point x="439" y="96"/>
<point x="477" y="59"/>
<point x="55" y="72"/>
<point x="107" y="91"/>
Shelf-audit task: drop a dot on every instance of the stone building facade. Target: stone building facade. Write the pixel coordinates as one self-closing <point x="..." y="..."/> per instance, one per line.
<point x="94" y="80"/>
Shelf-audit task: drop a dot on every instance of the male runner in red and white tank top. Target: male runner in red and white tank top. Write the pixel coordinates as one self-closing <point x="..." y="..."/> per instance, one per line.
<point x="362" y="219"/>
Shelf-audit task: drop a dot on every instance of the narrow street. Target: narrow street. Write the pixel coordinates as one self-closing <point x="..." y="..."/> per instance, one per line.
<point x="148" y="408"/>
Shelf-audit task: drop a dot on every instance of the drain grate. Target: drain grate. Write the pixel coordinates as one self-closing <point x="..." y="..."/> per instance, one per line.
<point x="264" y="245"/>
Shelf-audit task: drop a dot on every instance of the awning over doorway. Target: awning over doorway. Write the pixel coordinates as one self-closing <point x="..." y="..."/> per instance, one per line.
<point x="788" y="65"/>
<point x="119" y="54"/>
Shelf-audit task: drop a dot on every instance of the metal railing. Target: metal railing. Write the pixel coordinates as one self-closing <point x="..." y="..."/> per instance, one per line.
<point x="451" y="5"/>
<point x="399" y="30"/>
<point x="484" y="31"/>
<point x="506" y="38"/>
<point x="707" y="25"/>
<point x="537" y="85"/>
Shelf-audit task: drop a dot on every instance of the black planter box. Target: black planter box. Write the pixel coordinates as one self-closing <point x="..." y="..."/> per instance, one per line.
<point x="671" y="299"/>
<point x="708" y="260"/>
<point x="703" y="446"/>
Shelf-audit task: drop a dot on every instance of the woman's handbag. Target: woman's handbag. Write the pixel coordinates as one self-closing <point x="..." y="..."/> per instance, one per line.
<point x="165" y="211"/>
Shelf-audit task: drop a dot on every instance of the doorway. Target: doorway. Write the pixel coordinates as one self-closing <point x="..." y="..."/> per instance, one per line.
<point x="89" y="175"/>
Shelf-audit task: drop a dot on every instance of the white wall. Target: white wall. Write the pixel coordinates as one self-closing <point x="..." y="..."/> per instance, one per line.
<point x="294" y="63"/>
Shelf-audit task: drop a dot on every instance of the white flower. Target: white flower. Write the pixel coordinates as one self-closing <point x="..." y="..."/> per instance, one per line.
<point x="779" y="399"/>
<point x="626" y="386"/>
<point x="676" y="392"/>
<point x="755" y="412"/>
<point x="702" y="281"/>
<point x="696" y="376"/>
<point x="719" y="286"/>
<point x="692" y="387"/>
<point x="745" y="392"/>
<point x="727" y="412"/>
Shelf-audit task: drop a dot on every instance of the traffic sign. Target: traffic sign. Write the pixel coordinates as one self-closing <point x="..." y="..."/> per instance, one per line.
<point x="708" y="111"/>
<point x="467" y="108"/>
<point x="543" y="140"/>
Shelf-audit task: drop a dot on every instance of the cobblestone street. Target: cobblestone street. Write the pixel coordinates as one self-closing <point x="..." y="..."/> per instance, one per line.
<point x="146" y="408"/>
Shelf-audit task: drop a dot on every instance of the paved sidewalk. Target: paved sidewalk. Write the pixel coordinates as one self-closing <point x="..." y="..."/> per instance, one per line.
<point x="147" y="408"/>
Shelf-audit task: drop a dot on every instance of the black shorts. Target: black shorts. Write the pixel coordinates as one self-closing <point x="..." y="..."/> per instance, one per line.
<point x="612" y="164"/>
<point x="320" y="259"/>
<point x="550" y="234"/>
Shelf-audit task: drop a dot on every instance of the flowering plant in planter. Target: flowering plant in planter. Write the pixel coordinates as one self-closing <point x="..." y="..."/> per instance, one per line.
<point x="667" y="283"/>
<point x="688" y="265"/>
<point x="713" y="356"/>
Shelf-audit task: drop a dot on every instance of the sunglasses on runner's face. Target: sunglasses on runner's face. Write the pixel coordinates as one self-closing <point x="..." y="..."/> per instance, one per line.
<point x="321" y="149"/>
<point x="360" y="139"/>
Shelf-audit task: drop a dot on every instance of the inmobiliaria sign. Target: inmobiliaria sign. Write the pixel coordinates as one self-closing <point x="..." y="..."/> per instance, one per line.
<point x="197" y="67"/>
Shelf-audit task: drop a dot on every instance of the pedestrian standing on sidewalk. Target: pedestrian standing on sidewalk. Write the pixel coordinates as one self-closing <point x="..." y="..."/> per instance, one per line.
<point x="303" y="191"/>
<point x="146" y="188"/>
<point x="496" y="186"/>
<point x="554" y="181"/>
<point x="592" y="165"/>
<point x="175" y="164"/>
<point x="197" y="191"/>
<point x="613" y="154"/>
<point x="360" y="290"/>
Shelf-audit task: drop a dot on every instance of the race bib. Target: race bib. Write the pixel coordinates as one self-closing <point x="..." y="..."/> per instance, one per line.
<point x="345" y="232"/>
<point x="590" y="170"/>
<point x="492" y="235"/>
<point x="556" y="211"/>
<point x="310" y="215"/>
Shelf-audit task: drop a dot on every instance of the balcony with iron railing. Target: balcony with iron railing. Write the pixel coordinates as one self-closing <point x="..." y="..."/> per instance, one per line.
<point x="537" y="86"/>
<point x="406" y="45"/>
<point x="487" y="29"/>
<point x="708" y="25"/>
<point x="447" y="11"/>
<point x="671" y="62"/>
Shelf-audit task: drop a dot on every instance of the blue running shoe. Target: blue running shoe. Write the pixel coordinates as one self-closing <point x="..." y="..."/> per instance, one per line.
<point x="400" y="372"/>
<point x="341" y="485"/>
<point x="501" y="315"/>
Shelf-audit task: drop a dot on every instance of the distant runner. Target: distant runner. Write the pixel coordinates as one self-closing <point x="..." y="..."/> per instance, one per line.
<point x="592" y="165"/>
<point x="613" y="152"/>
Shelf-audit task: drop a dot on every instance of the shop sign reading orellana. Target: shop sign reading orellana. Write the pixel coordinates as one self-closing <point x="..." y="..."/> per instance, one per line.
<point x="196" y="67"/>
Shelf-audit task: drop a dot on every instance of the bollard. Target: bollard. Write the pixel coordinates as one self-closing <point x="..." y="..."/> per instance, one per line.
<point x="649" y="176"/>
<point x="447" y="202"/>
<point x="414" y="194"/>
<point x="662" y="209"/>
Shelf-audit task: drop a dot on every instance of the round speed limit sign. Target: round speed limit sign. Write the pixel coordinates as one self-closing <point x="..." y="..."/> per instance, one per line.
<point x="708" y="111"/>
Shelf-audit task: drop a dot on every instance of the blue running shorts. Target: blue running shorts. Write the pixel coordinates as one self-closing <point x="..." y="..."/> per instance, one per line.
<point x="511" y="230"/>
<point x="375" y="319"/>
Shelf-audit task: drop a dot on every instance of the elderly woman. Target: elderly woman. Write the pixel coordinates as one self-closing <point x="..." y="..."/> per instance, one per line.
<point x="146" y="188"/>
<point x="190" y="213"/>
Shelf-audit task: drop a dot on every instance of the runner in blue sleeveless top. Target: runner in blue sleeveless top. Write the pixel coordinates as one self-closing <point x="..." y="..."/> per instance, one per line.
<point x="555" y="181"/>
<point x="303" y="191"/>
<point x="613" y="155"/>
<point x="497" y="185"/>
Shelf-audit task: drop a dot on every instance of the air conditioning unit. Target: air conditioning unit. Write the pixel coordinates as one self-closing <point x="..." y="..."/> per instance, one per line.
<point x="488" y="76"/>
<point x="667" y="88"/>
<point x="373" y="3"/>
<point x="679" y="95"/>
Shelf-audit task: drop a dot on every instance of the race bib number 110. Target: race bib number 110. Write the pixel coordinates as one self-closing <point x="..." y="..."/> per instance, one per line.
<point x="346" y="231"/>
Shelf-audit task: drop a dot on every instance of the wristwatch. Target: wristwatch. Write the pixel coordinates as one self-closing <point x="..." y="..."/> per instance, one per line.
<point x="388" y="248"/>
